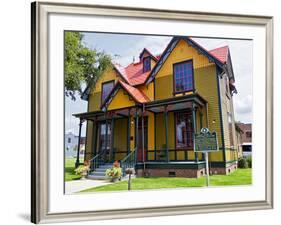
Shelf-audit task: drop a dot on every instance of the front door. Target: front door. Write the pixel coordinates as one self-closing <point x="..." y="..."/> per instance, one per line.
<point x="105" y="141"/>
<point x="141" y="152"/>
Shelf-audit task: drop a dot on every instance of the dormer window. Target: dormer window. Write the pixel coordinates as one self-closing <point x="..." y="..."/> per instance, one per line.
<point x="146" y="64"/>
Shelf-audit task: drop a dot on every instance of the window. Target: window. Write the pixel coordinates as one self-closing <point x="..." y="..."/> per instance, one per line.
<point x="106" y="89"/>
<point x="69" y="140"/>
<point x="183" y="76"/>
<point x="105" y="136"/>
<point x="230" y="129"/>
<point x="184" y="130"/>
<point x="146" y="64"/>
<point x="226" y="84"/>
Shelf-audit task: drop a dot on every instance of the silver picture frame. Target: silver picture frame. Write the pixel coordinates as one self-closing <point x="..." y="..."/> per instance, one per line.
<point x="40" y="103"/>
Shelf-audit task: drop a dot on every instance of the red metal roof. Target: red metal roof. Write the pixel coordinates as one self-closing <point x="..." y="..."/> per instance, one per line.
<point x="137" y="94"/>
<point x="133" y="73"/>
<point x="220" y="53"/>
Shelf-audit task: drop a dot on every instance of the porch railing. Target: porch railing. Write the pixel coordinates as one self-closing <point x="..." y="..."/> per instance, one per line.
<point x="96" y="161"/>
<point x="129" y="161"/>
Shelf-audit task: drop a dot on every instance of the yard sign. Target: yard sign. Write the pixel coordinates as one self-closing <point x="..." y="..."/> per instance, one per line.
<point x="205" y="142"/>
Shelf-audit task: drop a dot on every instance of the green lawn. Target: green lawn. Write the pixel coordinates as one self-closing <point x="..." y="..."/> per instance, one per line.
<point x="69" y="169"/>
<point x="239" y="177"/>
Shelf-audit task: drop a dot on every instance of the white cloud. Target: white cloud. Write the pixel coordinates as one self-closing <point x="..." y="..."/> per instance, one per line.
<point x="155" y="44"/>
<point x="243" y="105"/>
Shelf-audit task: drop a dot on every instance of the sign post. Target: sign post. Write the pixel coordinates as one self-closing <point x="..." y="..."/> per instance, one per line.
<point x="207" y="169"/>
<point x="206" y="142"/>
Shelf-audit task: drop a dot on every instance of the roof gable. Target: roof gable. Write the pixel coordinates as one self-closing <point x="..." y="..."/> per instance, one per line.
<point x="170" y="48"/>
<point x="137" y="95"/>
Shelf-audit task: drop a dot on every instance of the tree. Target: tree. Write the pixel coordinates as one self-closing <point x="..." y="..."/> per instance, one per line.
<point x="82" y="65"/>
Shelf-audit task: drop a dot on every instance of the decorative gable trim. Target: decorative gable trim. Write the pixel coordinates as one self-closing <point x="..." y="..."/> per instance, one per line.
<point x="162" y="59"/>
<point x="171" y="47"/>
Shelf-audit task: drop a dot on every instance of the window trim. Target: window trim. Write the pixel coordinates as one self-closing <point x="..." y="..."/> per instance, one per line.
<point x="175" y="129"/>
<point x="106" y="82"/>
<point x="174" y="83"/>
<point x="145" y="58"/>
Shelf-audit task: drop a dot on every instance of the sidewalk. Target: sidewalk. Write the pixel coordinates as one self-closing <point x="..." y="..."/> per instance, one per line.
<point x="79" y="185"/>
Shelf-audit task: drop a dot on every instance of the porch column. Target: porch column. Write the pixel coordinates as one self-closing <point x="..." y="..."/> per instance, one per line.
<point x="79" y="141"/>
<point x="166" y="132"/>
<point x="95" y="131"/>
<point x="137" y="136"/>
<point x="142" y="133"/>
<point x="106" y="134"/>
<point x="194" y="127"/>
<point x="112" y="155"/>
<point x="129" y="132"/>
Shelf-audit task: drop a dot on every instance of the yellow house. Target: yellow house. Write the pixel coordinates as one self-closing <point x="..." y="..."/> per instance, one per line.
<point x="144" y="115"/>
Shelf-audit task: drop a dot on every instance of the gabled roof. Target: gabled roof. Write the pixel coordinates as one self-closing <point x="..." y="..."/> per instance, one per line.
<point x="219" y="56"/>
<point x="220" y="53"/>
<point x="133" y="73"/>
<point x="136" y="94"/>
<point x="145" y="50"/>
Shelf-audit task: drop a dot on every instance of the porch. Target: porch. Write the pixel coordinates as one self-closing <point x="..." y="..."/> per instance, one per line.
<point x="146" y="136"/>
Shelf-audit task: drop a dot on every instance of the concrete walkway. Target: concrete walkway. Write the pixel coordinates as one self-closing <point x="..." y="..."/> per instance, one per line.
<point x="79" y="185"/>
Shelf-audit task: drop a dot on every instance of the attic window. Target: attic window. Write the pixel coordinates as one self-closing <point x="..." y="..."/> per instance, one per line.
<point x="146" y="64"/>
<point x="106" y="89"/>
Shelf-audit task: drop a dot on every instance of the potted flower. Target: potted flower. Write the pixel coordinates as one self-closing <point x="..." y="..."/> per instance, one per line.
<point x="83" y="169"/>
<point x="115" y="172"/>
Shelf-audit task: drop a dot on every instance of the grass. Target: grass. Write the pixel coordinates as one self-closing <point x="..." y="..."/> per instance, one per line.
<point x="239" y="177"/>
<point x="69" y="169"/>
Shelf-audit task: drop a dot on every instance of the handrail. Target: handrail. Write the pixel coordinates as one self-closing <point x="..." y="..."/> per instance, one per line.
<point x="129" y="161"/>
<point x="95" y="162"/>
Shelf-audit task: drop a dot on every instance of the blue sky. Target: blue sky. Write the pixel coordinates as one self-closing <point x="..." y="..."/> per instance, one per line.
<point x="124" y="48"/>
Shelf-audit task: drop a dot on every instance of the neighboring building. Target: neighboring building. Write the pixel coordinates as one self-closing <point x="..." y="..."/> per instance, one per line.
<point x="246" y="138"/>
<point x="71" y="144"/>
<point x="239" y="134"/>
<point x="145" y="114"/>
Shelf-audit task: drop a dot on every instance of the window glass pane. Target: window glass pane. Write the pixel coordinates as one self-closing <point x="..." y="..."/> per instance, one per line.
<point x="103" y="136"/>
<point x="184" y="130"/>
<point x="146" y="64"/>
<point x="183" y="76"/>
<point x="106" y="89"/>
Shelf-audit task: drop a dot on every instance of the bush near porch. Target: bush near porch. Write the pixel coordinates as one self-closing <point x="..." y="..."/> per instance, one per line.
<point x="238" y="177"/>
<point x="69" y="168"/>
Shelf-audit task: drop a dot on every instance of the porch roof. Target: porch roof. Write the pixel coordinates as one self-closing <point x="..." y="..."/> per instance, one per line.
<point x="176" y="103"/>
<point x="157" y="106"/>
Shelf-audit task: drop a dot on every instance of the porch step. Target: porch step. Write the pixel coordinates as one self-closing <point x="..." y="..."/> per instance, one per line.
<point x="99" y="173"/>
<point x="97" y="177"/>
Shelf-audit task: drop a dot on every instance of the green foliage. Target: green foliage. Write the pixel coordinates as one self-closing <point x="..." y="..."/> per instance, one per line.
<point x="81" y="169"/>
<point x="249" y="161"/>
<point x="114" y="172"/>
<point x="242" y="163"/>
<point x="69" y="170"/>
<point x="82" y="65"/>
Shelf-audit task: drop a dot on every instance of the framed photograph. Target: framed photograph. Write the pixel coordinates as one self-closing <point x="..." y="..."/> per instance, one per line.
<point x="146" y="112"/>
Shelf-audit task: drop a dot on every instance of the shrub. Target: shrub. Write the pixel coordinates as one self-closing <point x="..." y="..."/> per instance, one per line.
<point x="242" y="163"/>
<point x="114" y="172"/>
<point x="249" y="161"/>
